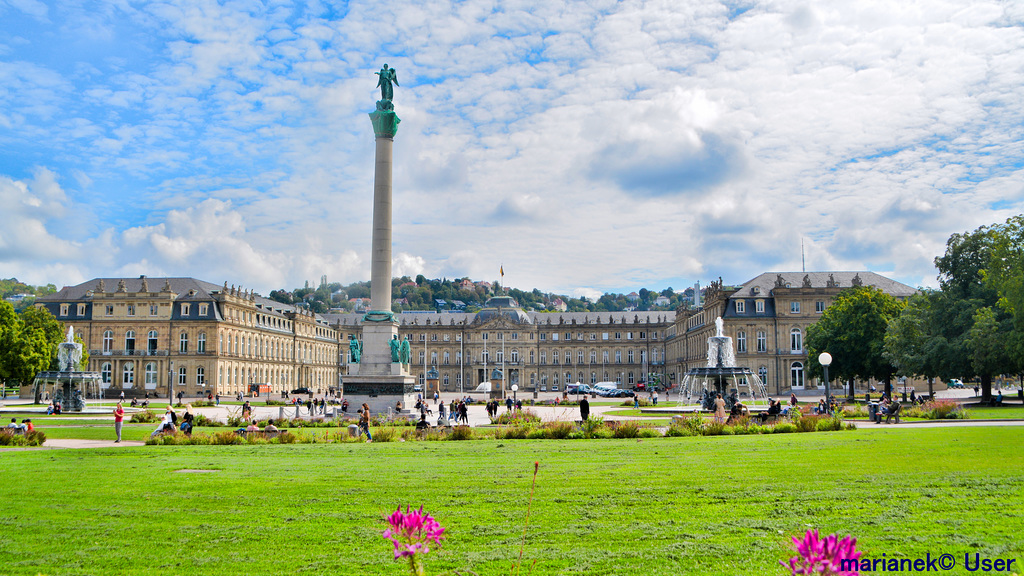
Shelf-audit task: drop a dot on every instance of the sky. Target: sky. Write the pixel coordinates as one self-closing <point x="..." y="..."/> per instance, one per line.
<point x="582" y="146"/>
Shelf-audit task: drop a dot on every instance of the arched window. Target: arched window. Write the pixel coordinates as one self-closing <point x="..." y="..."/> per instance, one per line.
<point x="762" y="341"/>
<point x="150" y="375"/>
<point x="796" y="372"/>
<point x="554" y="379"/>
<point x="629" y="356"/>
<point x="105" y="373"/>
<point x="593" y="377"/>
<point x="568" y="377"/>
<point x="183" y="342"/>
<point x="200" y="376"/>
<point x="568" y="357"/>
<point x="796" y="340"/>
<point x="152" y="340"/>
<point x="128" y="376"/>
<point x="201" y="343"/>
<point x="108" y="341"/>
<point x="129" y="341"/>
<point x="515" y="355"/>
<point x="741" y="341"/>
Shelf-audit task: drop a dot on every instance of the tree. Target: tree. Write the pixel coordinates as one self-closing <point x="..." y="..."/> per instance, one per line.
<point x="912" y="344"/>
<point x="52" y="329"/>
<point x="24" y="351"/>
<point x="1005" y="273"/>
<point x="853" y="331"/>
<point x="965" y="292"/>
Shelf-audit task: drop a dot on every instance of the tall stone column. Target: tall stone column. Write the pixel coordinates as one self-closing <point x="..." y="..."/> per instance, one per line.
<point x="378" y="379"/>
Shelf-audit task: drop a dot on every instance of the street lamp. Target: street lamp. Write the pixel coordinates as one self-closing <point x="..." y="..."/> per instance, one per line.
<point x="825" y="359"/>
<point x="515" y="387"/>
<point x="170" y="383"/>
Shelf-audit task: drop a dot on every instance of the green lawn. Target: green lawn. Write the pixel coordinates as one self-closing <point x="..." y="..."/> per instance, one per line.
<point x="705" y="505"/>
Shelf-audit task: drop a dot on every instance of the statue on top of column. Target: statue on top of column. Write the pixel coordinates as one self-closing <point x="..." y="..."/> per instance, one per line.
<point x="388" y="79"/>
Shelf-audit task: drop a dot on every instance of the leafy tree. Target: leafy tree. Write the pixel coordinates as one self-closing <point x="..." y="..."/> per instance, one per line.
<point x="24" y="350"/>
<point x="853" y="331"/>
<point x="51" y="328"/>
<point x="913" y="344"/>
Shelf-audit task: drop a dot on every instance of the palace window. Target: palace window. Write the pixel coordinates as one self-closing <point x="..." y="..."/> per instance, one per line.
<point x="819" y="306"/>
<point x="447" y="337"/>
<point x="568" y="335"/>
<point x="759" y="306"/>
<point x="129" y="341"/>
<point x="81" y="309"/>
<point x="128" y="375"/>
<point x="131" y="309"/>
<point x="543" y="357"/>
<point x="447" y="357"/>
<point x="200" y="376"/>
<point x="604" y="357"/>
<point x="433" y="358"/>
<point x="531" y="357"/>
<point x="182" y="376"/>
<point x="741" y="307"/>
<point x="183" y="343"/>
<point x="203" y="309"/>
<point x="629" y="356"/>
<point x="152" y="341"/>
<point x="618" y="356"/>
<point x="593" y="377"/>
<point x="554" y="336"/>
<point x="108" y="341"/>
<point x="151" y="374"/>
<point x="153" y="309"/>
<point x="796" y="372"/>
<point x="201" y="343"/>
<point x="762" y="341"/>
<point x="185" y="309"/>
<point x="568" y="357"/>
<point x="796" y="340"/>
<point x="105" y="372"/>
<point x="593" y="356"/>
<point x="741" y="341"/>
<point x="515" y="356"/>
<point x="110" y="310"/>
<point x="794" y="307"/>
<point x="579" y="356"/>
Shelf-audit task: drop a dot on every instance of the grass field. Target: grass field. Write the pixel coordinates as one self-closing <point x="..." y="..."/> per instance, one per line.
<point x="703" y="505"/>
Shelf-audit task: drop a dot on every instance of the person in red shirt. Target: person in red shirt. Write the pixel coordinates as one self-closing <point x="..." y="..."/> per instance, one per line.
<point x="118" y="420"/>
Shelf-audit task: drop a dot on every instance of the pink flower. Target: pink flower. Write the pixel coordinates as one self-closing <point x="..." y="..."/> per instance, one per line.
<point x="824" y="557"/>
<point x="412" y="531"/>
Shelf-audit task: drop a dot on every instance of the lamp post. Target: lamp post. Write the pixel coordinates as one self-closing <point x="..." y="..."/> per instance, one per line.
<point x="825" y="359"/>
<point x="170" y="383"/>
<point x="515" y="388"/>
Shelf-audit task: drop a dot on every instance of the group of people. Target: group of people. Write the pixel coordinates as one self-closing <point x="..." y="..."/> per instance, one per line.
<point x="168" y="424"/>
<point x="24" y="428"/>
<point x="53" y="408"/>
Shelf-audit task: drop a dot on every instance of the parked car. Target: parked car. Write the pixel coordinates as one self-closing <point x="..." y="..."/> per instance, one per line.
<point x="579" y="389"/>
<point x="955" y="383"/>
<point x="302" y="390"/>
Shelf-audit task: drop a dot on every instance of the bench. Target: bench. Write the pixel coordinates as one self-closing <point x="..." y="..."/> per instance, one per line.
<point x="894" y="412"/>
<point x="261" y="434"/>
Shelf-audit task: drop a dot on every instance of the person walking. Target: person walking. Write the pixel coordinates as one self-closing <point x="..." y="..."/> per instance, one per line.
<point x="118" y="420"/>
<point x="584" y="409"/>
<point x="364" y="422"/>
<point x="719" y="409"/>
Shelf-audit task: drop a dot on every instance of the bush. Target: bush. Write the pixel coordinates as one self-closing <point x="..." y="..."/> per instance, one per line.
<point x="677" y="430"/>
<point x="537" y="434"/>
<point x="517" y="417"/>
<point x="807" y="423"/>
<point x="203" y="420"/>
<point x="855" y="411"/>
<point x="601" y="433"/>
<point x="144" y="417"/>
<point x="512" y="432"/>
<point x="33" y="438"/>
<point x="592" y="425"/>
<point x="461" y="433"/>
<point x="631" y="402"/>
<point x="386" y="434"/>
<point x="277" y="403"/>
<point x="226" y="438"/>
<point x="558" y="430"/>
<point x="648" y="432"/>
<point x="626" y="429"/>
<point x="784" y="428"/>
<point x="938" y="410"/>
<point x="829" y="424"/>
<point x="286" y="437"/>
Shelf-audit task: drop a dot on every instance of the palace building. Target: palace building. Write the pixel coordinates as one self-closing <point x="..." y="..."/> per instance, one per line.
<point x="195" y="336"/>
<point x="767" y="318"/>
<point x="155" y="335"/>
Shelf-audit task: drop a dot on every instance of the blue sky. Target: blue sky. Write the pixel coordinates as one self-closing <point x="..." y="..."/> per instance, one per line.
<point x="586" y="146"/>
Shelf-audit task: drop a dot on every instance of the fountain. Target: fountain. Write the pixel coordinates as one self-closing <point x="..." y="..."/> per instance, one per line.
<point x="721" y="375"/>
<point x="70" y="386"/>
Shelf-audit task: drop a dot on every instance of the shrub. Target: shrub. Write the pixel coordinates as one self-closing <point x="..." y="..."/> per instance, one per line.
<point x="33" y="438"/>
<point x="235" y="422"/>
<point x="631" y="402"/>
<point x="677" y="430"/>
<point x="807" y="423"/>
<point x="386" y="434"/>
<point x="626" y="429"/>
<point x="591" y="425"/>
<point x="205" y="421"/>
<point x="537" y="434"/>
<point x="713" y="429"/>
<point x="276" y="402"/>
<point x="602" y="432"/>
<point x="144" y="417"/>
<point x="225" y="438"/>
<point x="461" y="433"/>
<point x="938" y="410"/>
<point x="829" y="424"/>
<point x="575" y="435"/>
<point x="648" y="432"/>
<point x="517" y="417"/>
<point x="855" y="411"/>
<point x="784" y="428"/>
<point x="512" y="432"/>
<point x="286" y="437"/>
<point x="558" y="430"/>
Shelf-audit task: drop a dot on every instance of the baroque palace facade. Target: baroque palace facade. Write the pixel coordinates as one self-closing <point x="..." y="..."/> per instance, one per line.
<point x="767" y="318"/>
<point x="207" y="338"/>
<point x="204" y="338"/>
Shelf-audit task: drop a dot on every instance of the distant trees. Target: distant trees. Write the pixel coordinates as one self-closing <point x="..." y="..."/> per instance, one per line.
<point x="25" y="348"/>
